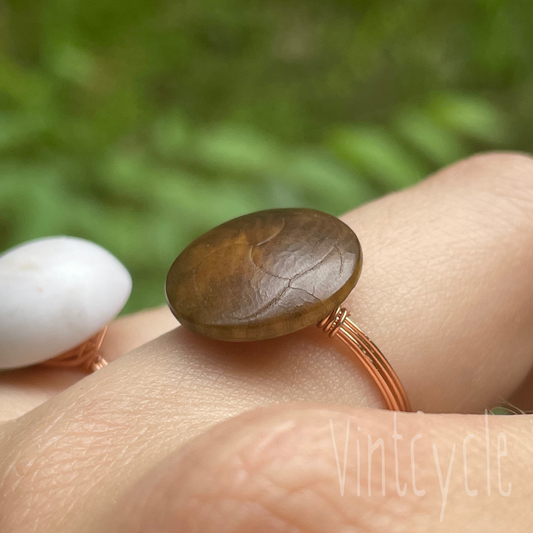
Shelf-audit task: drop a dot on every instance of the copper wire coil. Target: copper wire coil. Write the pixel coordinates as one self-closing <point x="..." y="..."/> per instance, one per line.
<point x="86" y="356"/>
<point x="338" y="324"/>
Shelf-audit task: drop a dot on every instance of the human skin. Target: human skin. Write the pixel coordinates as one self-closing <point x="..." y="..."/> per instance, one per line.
<point x="182" y="433"/>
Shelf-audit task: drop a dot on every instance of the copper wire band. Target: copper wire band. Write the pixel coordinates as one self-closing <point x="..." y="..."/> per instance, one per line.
<point x="85" y="356"/>
<point x="338" y="324"/>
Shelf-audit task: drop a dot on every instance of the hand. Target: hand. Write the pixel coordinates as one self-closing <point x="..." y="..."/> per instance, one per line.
<point x="157" y="442"/>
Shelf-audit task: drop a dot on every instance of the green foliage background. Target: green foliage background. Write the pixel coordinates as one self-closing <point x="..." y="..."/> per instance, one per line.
<point x="141" y="124"/>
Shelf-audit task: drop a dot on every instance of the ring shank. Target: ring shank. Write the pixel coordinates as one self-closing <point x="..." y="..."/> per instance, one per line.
<point x="338" y="324"/>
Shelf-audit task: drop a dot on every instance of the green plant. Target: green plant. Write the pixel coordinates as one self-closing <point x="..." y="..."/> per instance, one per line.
<point x="141" y="125"/>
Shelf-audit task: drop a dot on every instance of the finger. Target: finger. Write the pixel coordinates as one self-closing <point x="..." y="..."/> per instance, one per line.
<point x="129" y="332"/>
<point x="339" y="469"/>
<point x="24" y="389"/>
<point x="448" y="291"/>
<point x="434" y="261"/>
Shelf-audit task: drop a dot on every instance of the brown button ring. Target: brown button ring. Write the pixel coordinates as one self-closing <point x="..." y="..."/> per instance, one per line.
<point x="271" y="273"/>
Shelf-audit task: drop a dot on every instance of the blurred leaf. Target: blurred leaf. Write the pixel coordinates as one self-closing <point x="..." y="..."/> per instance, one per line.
<point x="238" y="150"/>
<point x="171" y="135"/>
<point x="73" y="64"/>
<point x="501" y="410"/>
<point x="198" y="203"/>
<point x="279" y="192"/>
<point x="40" y="200"/>
<point x="470" y="115"/>
<point x="17" y="129"/>
<point x="11" y="209"/>
<point x="129" y="174"/>
<point x="125" y="232"/>
<point x="438" y="144"/>
<point x="148" y="290"/>
<point x="26" y="87"/>
<point x="332" y="187"/>
<point x="85" y="218"/>
<point x="374" y="151"/>
<point x="46" y="201"/>
<point x="159" y="120"/>
<point x="227" y="199"/>
<point x="180" y="194"/>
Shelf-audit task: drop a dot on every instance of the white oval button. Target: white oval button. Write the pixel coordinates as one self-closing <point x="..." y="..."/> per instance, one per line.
<point x="55" y="293"/>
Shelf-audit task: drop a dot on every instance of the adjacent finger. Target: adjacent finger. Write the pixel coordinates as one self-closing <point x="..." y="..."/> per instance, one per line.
<point x="24" y="389"/>
<point x="338" y="469"/>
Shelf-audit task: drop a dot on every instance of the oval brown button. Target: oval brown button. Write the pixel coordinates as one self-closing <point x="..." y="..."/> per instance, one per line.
<point x="264" y="274"/>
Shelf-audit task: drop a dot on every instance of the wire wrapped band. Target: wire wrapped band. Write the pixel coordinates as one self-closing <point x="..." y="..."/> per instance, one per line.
<point x="85" y="356"/>
<point x="338" y="324"/>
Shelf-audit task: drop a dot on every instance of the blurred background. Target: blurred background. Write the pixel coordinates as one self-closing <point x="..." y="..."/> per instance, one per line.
<point x="141" y="124"/>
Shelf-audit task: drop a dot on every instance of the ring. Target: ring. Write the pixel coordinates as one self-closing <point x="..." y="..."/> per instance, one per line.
<point x="86" y="356"/>
<point x="57" y="297"/>
<point x="274" y="272"/>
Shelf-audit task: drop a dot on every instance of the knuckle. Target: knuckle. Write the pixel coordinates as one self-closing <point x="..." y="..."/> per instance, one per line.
<point x="507" y="175"/>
